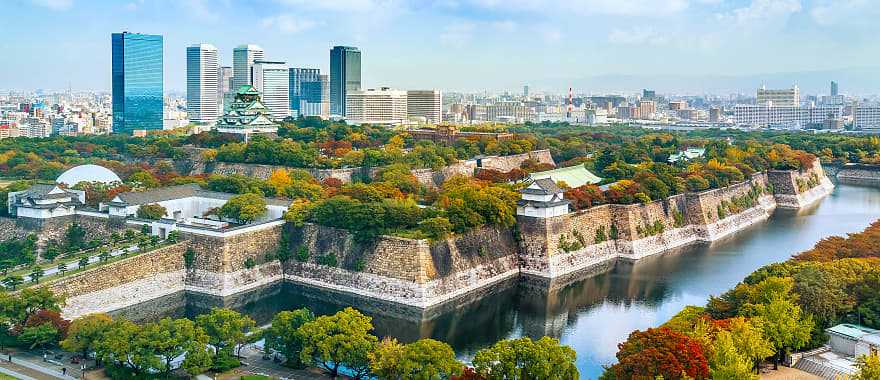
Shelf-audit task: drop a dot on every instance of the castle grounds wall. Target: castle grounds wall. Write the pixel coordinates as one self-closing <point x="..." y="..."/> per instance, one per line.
<point x="123" y="283"/>
<point x="859" y="174"/>
<point x="787" y="193"/>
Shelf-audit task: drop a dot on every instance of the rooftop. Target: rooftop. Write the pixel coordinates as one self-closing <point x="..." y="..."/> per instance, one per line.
<point x="573" y="176"/>
<point x="851" y="330"/>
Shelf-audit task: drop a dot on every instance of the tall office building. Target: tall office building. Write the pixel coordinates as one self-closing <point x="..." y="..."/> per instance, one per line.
<point x="325" y="96"/>
<point x="302" y="80"/>
<point x="425" y="104"/>
<point x="243" y="58"/>
<point x="789" y="97"/>
<point x="224" y="84"/>
<point x="137" y="87"/>
<point x="345" y="76"/>
<point x="526" y="91"/>
<point x="648" y="94"/>
<point x="272" y="79"/>
<point x="372" y="106"/>
<point x="202" y="98"/>
<point x="834" y="90"/>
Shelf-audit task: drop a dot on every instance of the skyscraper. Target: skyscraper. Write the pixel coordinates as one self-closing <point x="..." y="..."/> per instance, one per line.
<point x="304" y="80"/>
<point x="834" y="91"/>
<point x="224" y="84"/>
<point x="243" y="58"/>
<point x="137" y="86"/>
<point x="202" y="98"/>
<point x="425" y="104"/>
<point x="345" y="76"/>
<point x="272" y="78"/>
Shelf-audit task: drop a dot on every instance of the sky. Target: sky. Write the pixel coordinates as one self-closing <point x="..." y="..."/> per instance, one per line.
<point x="464" y="45"/>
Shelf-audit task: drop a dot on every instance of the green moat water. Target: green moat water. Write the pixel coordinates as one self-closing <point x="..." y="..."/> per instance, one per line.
<point x="591" y="314"/>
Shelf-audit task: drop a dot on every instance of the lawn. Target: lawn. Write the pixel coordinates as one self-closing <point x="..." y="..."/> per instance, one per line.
<point x="3" y="184"/>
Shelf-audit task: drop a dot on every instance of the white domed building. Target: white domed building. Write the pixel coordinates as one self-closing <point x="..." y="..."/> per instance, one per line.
<point x="44" y="201"/>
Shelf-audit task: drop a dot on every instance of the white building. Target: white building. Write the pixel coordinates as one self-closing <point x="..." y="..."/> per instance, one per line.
<point x="789" y="97"/>
<point x="272" y="80"/>
<point x="542" y="199"/>
<point x="866" y="117"/>
<point x="790" y="117"/>
<point x="427" y="104"/>
<point x="243" y="58"/>
<point x="202" y="97"/>
<point x="224" y="85"/>
<point x="42" y="201"/>
<point x="376" y="106"/>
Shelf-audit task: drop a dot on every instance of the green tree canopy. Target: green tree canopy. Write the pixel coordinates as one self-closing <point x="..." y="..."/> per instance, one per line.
<point x="524" y="359"/>
<point x="342" y="339"/>
<point x="284" y="336"/>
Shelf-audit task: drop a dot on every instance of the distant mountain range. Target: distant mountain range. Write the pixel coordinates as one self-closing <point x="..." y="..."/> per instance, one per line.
<point x="855" y="81"/>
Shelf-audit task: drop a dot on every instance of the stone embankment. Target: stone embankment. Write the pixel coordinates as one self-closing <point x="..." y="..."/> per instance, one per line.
<point x="859" y="174"/>
<point x="428" y="177"/>
<point x="421" y="274"/>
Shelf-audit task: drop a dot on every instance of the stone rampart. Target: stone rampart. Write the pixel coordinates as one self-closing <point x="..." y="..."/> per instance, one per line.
<point x="792" y="190"/>
<point x="123" y="283"/>
<point x="507" y="163"/>
<point x="859" y="174"/>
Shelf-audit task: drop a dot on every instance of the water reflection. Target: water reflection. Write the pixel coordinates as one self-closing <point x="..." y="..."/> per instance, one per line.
<point x="592" y="312"/>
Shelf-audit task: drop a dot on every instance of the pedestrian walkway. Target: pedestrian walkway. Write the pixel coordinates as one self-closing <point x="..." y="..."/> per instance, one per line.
<point x="25" y="370"/>
<point x="34" y="366"/>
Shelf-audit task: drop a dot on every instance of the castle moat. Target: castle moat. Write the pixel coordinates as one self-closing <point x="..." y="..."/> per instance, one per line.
<point x="592" y="312"/>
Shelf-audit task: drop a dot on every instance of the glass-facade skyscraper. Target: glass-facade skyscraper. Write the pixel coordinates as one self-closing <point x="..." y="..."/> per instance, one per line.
<point x="303" y="85"/>
<point x="345" y="76"/>
<point x="137" y="82"/>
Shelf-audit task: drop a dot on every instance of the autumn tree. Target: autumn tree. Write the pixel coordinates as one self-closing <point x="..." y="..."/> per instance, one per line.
<point x="868" y="366"/>
<point x="244" y="208"/>
<point x="524" y="358"/>
<point x="784" y="326"/>
<point x="728" y="363"/>
<point x="151" y="211"/>
<point x="340" y="340"/>
<point x="659" y="352"/>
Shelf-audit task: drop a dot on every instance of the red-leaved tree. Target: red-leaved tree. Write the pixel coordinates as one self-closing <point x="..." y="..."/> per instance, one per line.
<point x="660" y="351"/>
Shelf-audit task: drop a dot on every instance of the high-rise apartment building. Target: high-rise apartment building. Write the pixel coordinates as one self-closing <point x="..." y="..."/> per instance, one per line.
<point x="376" y="106"/>
<point x="305" y="87"/>
<point x="345" y="76"/>
<point x="789" y="117"/>
<point x="789" y="97"/>
<point x="224" y="84"/>
<point x="243" y="58"/>
<point x="202" y="98"/>
<point x="834" y="89"/>
<point x="425" y="104"/>
<point x="272" y="79"/>
<point x="137" y="82"/>
<point x="647" y="109"/>
<point x="649" y="94"/>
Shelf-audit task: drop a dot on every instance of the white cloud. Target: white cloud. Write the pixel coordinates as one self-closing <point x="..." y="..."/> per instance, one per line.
<point x="841" y="11"/>
<point x="637" y="36"/>
<point x="201" y="10"/>
<point x="55" y="5"/>
<point x="287" y="23"/>
<point x="762" y="10"/>
<point x="607" y="7"/>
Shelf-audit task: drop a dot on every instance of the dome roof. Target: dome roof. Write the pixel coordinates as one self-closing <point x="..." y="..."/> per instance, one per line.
<point x="87" y="173"/>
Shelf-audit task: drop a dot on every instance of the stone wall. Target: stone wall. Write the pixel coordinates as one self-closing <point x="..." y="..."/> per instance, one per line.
<point x="507" y="163"/>
<point x="220" y="266"/>
<point x="552" y="247"/>
<point x="123" y="283"/>
<point x="787" y="193"/>
<point x="406" y="271"/>
<point x="859" y="174"/>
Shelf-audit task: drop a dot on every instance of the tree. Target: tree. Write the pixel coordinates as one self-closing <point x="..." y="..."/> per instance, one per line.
<point x="74" y="237"/>
<point x="83" y="262"/>
<point x="728" y="363"/>
<point x="62" y="267"/>
<point x="142" y="179"/>
<point x="39" y="336"/>
<point x="169" y="338"/>
<point x="527" y="359"/>
<point x="784" y="326"/>
<point x="283" y="335"/>
<point x="104" y="254"/>
<point x="426" y="359"/>
<point x="226" y="328"/>
<point x="659" y="352"/>
<point x="244" y="208"/>
<point x="280" y="181"/>
<point x="12" y="281"/>
<point x="36" y="273"/>
<point x="869" y="367"/>
<point x="342" y="339"/>
<point x="85" y="332"/>
<point x="152" y="211"/>
<point x="749" y="340"/>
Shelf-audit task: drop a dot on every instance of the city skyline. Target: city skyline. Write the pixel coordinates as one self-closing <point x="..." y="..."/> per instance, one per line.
<point x="463" y="45"/>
